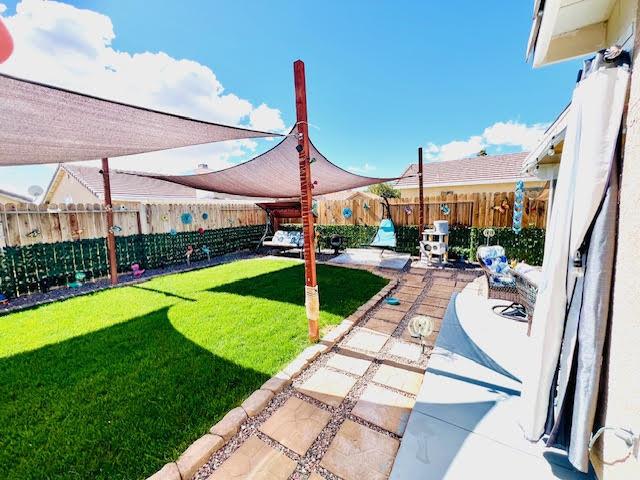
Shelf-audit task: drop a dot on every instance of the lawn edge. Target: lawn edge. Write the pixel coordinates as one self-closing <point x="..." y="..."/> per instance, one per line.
<point x="199" y="452"/>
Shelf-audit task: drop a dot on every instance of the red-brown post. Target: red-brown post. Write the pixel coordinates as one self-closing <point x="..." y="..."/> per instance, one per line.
<point x="420" y="195"/>
<point x="312" y="302"/>
<point x="111" y="239"/>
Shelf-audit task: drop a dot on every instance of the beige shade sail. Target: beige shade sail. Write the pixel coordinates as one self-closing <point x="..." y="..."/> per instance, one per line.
<point x="44" y="124"/>
<point x="274" y="174"/>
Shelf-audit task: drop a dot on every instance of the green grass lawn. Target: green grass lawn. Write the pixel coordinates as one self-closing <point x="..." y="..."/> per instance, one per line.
<point x="117" y="383"/>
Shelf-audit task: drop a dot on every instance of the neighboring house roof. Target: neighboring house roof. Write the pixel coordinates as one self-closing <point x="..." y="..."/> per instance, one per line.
<point x="123" y="187"/>
<point x="466" y="171"/>
<point x="347" y="195"/>
<point x="15" y="196"/>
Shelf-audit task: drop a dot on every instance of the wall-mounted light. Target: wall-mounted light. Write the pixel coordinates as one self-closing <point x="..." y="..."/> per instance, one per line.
<point x="551" y="151"/>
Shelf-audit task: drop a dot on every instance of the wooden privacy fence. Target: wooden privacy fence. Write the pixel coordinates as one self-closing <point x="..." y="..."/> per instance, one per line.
<point x="29" y="224"/>
<point x="472" y="210"/>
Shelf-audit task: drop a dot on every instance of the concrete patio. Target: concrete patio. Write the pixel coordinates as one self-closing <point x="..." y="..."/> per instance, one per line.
<point x="465" y="420"/>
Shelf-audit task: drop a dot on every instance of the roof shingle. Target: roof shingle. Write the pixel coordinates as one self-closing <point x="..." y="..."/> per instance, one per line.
<point x="486" y="169"/>
<point x="128" y="186"/>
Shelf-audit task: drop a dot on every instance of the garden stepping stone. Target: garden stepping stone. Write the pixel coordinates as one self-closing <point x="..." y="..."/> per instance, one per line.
<point x="410" y="279"/>
<point x="385" y="408"/>
<point x="358" y="453"/>
<point x="389" y="315"/>
<point x="406" y="297"/>
<point x="410" y="351"/>
<point x="431" y="311"/>
<point x="399" y="378"/>
<point x="356" y="366"/>
<point x="367" y="340"/>
<point x="256" y="460"/>
<point x="382" y="326"/>
<point x="410" y="290"/>
<point x="296" y="424"/>
<point x="435" y="302"/>
<point x="327" y="386"/>
<point x="402" y="307"/>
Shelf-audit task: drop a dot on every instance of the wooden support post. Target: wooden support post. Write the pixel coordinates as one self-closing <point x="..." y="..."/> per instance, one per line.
<point x="420" y="195"/>
<point x="312" y="302"/>
<point x="111" y="239"/>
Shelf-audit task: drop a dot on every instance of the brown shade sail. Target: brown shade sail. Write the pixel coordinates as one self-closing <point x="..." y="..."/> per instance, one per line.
<point x="274" y="174"/>
<point x="44" y="124"/>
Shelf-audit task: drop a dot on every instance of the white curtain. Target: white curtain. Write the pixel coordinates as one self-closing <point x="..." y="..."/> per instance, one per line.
<point x="590" y="141"/>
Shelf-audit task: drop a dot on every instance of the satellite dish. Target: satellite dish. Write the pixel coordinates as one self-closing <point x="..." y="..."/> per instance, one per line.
<point x="35" y="190"/>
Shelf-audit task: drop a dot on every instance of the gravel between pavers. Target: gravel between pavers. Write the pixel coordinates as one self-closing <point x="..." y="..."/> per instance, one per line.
<point x="310" y="462"/>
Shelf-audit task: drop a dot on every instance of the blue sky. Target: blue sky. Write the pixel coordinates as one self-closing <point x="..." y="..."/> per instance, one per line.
<point x="383" y="77"/>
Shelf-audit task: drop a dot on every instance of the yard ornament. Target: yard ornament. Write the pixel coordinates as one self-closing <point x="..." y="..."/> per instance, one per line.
<point x="6" y="43"/>
<point x="201" y="230"/>
<point x="517" y="207"/>
<point x="421" y="326"/>
<point x="79" y="278"/>
<point x="392" y="301"/>
<point x="347" y="212"/>
<point x="136" y="270"/>
<point x="188" y="254"/>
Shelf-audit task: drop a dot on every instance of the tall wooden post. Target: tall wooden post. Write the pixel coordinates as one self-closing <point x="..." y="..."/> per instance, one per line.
<point x="420" y="195"/>
<point x="111" y="239"/>
<point x="311" y="298"/>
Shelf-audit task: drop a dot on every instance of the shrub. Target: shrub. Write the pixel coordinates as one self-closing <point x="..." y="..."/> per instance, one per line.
<point x="528" y="246"/>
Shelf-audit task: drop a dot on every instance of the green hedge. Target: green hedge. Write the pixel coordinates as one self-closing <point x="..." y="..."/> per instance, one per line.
<point x="33" y="268"/>
<point x="527" y="246"/>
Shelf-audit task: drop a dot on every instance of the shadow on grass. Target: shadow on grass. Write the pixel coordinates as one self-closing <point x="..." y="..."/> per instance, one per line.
<point x="342" y="290"/>
<point x="163" y="292"/>
<point x="117" y="403"/>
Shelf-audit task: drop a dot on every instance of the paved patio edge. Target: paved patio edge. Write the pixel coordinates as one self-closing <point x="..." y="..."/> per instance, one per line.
<point x="280" y="380"/>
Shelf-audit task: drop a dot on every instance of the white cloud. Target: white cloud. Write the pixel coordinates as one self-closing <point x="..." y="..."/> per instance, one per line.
<point x="3" y="7"/>
<point x="363" y="169"/>
<point x="63" y="45"/>
<point x="496" y="136"/>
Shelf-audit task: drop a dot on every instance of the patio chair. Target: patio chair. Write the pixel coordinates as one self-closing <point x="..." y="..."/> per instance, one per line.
<point x="501" y="281"/>
<point x="385" y="237"/>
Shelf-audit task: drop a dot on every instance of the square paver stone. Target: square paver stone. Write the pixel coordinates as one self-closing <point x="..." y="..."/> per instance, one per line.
<point x="384" y="408"/>
<point x="367" y="340"/>
<point x="356" y="366"/>
<point x="256" y="460"/>
<point x="358" y="453"/>
<point x="296" y="424"/>
<point x="327" y="386"/>
<point x="389" y="315"/>
<point x="406" y="297"/>
<point x="399" y="378"/>
<point x="410" y="351"/>
<point x="382" y="326"/>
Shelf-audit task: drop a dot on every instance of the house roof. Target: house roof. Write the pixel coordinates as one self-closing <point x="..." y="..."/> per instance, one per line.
<point x="347" y="195"/>
<point x="16" y="196"/>
<point x="466" y="171"/>
<point x="123" y="186"/>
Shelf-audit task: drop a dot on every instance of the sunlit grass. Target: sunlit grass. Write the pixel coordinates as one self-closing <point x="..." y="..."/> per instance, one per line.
<point x="115" y="384"/>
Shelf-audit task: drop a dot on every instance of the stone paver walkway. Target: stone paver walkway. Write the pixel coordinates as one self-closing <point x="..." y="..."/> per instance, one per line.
<point x="344" y="416"/>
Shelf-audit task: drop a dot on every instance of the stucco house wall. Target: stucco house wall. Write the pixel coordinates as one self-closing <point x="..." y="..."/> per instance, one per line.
<point x="466" y="189"/>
